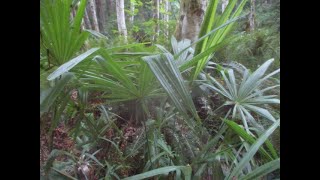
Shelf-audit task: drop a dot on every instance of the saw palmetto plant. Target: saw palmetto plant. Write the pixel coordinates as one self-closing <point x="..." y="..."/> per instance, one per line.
<point x="222" y="24"/>
<point x="81" y="167"/>
<point x="61" y="38"/>
<point x="244" y="97"/>
<point x="120" y="78"/>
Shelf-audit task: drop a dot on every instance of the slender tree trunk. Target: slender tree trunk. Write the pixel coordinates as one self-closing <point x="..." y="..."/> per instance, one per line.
<point x="224" y="4"/>
<point x="132" y="7"/>
<point x="166" y="17"/>
<point x="121" y="19"/>
<point x="156" y="17"/>
<point x="160" y="6"/>
<point x="101" y="14"/>
<point x="110" y="7"/>
<point x="191" y="16"/>
<point x="87" y="20"/>
<point x="252" y="15"/>
<point x="93" y="15"/>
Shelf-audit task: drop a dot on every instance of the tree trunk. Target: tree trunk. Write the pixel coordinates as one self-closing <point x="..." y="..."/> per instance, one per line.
<point x="252" y="15"/>
<point x="132" y="4"/>
<point x="93" y="15"/>
<point x="191" y="16"/>
<point x="156" y="17"/>
<point x="160" y="4"/>
<point x="87" y="20"/>
<point x="110" y="7"/>
<point x="166" y="17"/>
<point x="121" y="19"/>
<point x="224" y="4"/>
<point x="101" y="12"/>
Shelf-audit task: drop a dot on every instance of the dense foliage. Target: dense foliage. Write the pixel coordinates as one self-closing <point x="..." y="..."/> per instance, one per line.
<point x="168" y="109"/>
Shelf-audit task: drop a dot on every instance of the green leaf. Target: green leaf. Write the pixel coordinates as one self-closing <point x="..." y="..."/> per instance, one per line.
<point x="245" y="97"/>
<point x="200" y="171"/>
<point x="252" y="81"/>
<point x="126" y="46"/>
<point x="252" y="151"/>
<point x="220" y="29"/>
<point x="207" y="24"/>
<point x="211" y="32"/>
<point x="211" y="143"/>
<point x="96" y="34"/>
<point x="51" y="95"/>
<point x="78" y="18"/>
<point x="95" y="159"/>
<point x="64" y="174"/>
<point x="262" y="170"/>
<point x="188" y="64"/>
<point x="152" y="160"/>
<point x="60" y="38"/>
<point x="167" y="73"/>
<point x="53" y="155"/>
<point x="247" y="137"/>
<point x="271" y="149"/>
<point x="164" y="170"/>
<point x="70" y="64"/>
<point x="263" y="112"/>
<point x="58" y="113"/>
<point x="114" y="145"/>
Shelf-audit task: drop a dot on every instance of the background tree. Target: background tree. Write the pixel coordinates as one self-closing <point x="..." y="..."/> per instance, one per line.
<point x="156" y="18"/>
<point x="87" y="20"/>
<point x="110" y="7"/>
<point x="132" y="8"/>
<point x="93" y="15"/>
<point x="252" y="15"/>
<point x="166" y="17"/>
<point x="101" y="14"/>
<point x="121" y="20"/>
<point x="190" y="19"/>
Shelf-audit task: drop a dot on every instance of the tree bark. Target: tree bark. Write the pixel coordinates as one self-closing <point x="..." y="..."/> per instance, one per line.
<point x="191" y="16"/>
<point x="156" y="18"/>
<point x="252" y="15"/>
<point x="224" y="4"/>
<point x="101" y="12"/>
<point x="110" y="7"/>
<point x="132" y="7"/>
<point x="93" y="15"/>
<point x="166" y="17"/>
<point x="87" y="20"/>
<point x="121" y="19"/>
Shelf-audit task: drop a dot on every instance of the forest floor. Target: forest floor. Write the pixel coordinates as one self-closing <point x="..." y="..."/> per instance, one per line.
<point x="129" y="130"/>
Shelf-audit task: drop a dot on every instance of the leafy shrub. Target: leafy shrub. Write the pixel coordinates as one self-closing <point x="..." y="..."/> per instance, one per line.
<point x="245" y="97"/>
